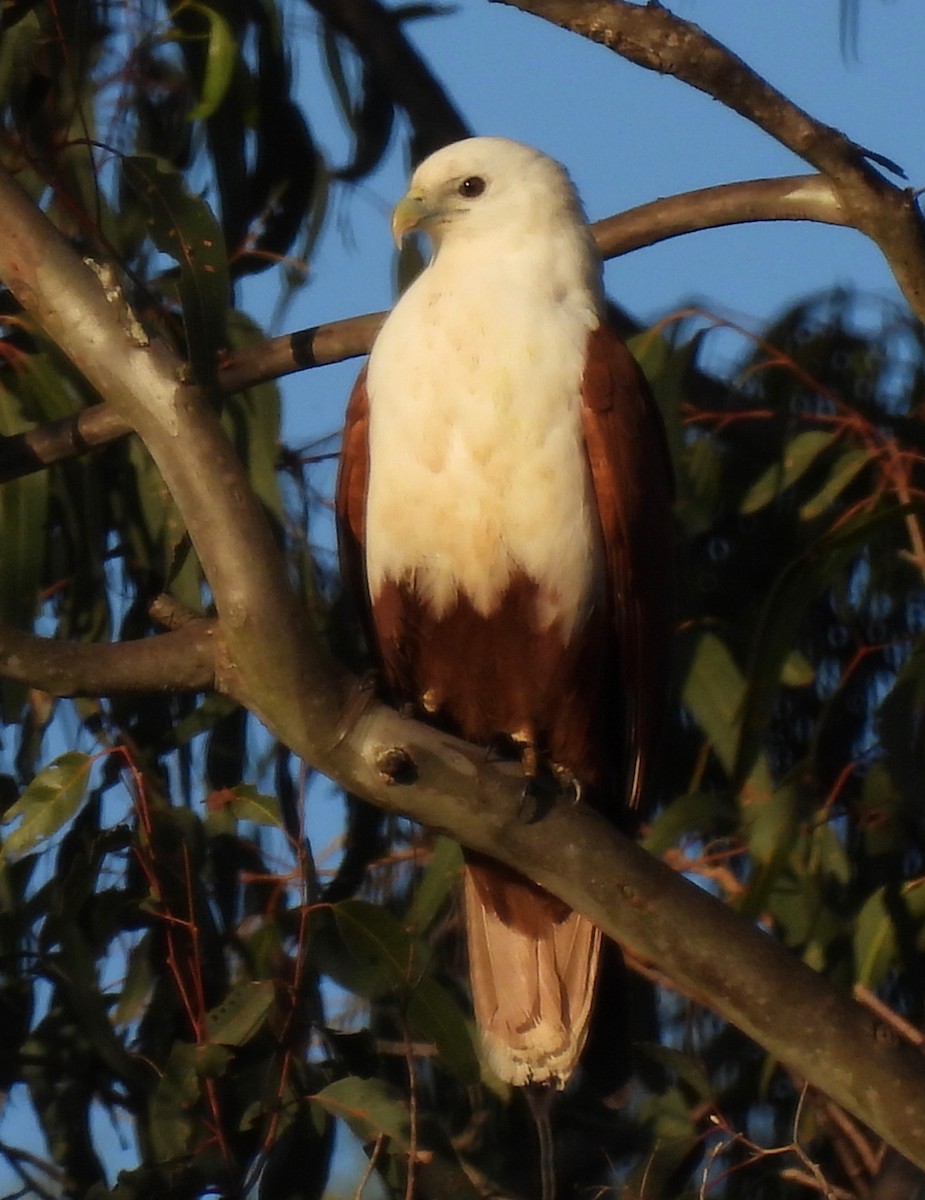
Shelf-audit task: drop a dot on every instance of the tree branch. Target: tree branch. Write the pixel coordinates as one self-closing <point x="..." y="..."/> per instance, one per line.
<point x="275" y="665"/>
<point x="97" y="426"/>
<point x="183" y="660"/>
<point x="654" y="38"/>
<point x="799" y="198"/>
<point x="792" y="198"/>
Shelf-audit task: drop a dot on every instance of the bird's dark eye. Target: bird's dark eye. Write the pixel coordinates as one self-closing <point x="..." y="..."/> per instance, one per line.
<point x="471" y="187"/>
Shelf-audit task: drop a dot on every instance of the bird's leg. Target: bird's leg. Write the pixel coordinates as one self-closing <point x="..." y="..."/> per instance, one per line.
<point x="525" y="741"/>
<point x="541" y="788"/>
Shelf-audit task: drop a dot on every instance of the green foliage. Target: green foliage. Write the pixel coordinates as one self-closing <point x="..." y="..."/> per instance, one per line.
<point x="183" y="948"/>
<point x="796" y="750"/>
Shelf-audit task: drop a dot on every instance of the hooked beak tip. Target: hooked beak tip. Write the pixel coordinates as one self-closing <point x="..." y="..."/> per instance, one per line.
<point x="408" y="215"/>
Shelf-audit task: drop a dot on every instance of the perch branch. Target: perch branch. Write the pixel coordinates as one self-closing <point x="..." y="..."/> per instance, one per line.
<point x="800" y="198"/>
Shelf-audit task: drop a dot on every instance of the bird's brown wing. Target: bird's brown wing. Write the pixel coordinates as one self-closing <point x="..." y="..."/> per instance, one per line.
<point x="633" y="486"/>
<point x="350" y="501"/>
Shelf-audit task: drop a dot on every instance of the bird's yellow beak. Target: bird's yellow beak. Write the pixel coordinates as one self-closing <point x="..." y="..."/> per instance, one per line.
<point x="410" y="213"/>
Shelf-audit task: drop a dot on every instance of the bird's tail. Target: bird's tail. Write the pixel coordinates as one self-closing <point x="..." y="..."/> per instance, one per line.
<point x="533" y="963"/>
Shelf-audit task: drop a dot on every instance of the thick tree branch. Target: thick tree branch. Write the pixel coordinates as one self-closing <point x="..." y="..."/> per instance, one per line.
<point x="652" y="37"/>
<point x="275" y="665"/>
<point x="800" y="198"/>
<point x="183" y="660"/>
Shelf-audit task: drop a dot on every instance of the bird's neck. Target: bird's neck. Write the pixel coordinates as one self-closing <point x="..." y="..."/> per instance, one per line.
<point x="560" y="264"/>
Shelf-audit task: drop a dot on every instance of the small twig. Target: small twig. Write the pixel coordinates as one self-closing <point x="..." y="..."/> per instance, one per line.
<point x="370" y="1166"/>
<point x="810" y="1180"/>
<point x="861" y="1164"/>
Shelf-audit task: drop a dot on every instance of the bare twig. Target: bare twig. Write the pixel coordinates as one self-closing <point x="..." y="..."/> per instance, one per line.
<point x="904" y="1028"/>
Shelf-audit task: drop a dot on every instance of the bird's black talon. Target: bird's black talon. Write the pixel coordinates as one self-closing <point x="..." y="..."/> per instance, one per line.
<point x="569" y="784"/>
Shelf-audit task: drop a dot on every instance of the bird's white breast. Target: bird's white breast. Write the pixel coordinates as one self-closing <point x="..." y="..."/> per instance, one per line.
<point x="478" y="470"/>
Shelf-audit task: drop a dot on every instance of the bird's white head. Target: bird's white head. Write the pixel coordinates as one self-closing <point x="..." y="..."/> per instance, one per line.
<point x="485" y="184"/>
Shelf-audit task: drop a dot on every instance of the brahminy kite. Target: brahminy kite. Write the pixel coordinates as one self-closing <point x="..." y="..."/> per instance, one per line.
<point x="504" y="511"/>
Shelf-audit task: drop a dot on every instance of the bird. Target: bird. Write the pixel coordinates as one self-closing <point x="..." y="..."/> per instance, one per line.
<point x="503" y="505"/>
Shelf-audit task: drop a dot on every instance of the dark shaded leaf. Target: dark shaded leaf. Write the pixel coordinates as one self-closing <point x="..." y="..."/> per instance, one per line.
<point x="433" y="1012"/>
<point x="371" y="1107"/>
<point x="702" y="813"/>
<point x="241" y="1013"/>
<point x="798" y="456"/>
<point x="684" y="1066"/>
<point x="385" y="956"/>
<point x="250" y="805"/>
<point x="801" y="582"/>
<point x="436" y="885"/>
<point x="182" y="226"/>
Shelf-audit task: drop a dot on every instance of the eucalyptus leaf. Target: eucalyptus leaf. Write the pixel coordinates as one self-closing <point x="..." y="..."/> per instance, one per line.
<point x="371" y="1107"/>
<point x="440" y="878"/>
<point x="876" y="932"/>
<point x="221" y="59"/>
<point x="182" y="226"/>
<point x="799" y="455"/>
<point x="843" y="473"/>
<point x="241" y="1013"/>
<point x="389" y="957"/>
<point x="47" y="804"/>
<point x="434" y="1012"/>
